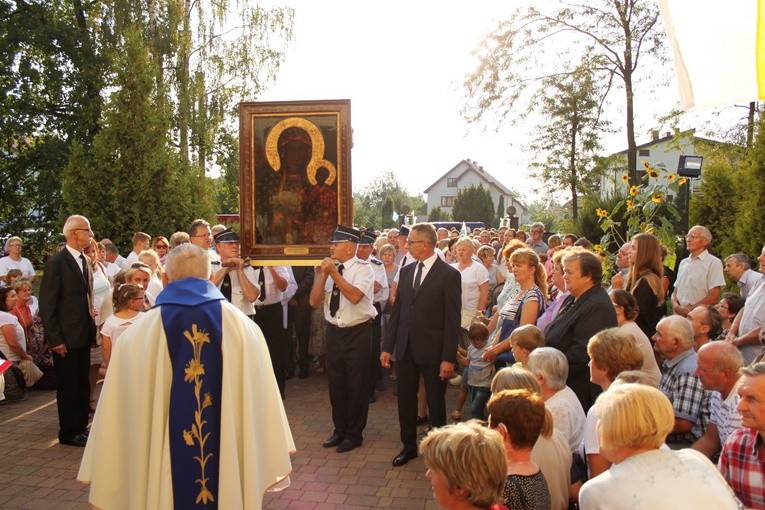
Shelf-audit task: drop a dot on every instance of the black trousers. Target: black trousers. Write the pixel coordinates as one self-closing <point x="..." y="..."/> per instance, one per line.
<point x="409" y="374"/>
<point x="348" y="377"/>
<point x="72" y="391"/>
<point x="269" y="318"/>
<point x="300" y="321"/>
<point x="375" y="368"/>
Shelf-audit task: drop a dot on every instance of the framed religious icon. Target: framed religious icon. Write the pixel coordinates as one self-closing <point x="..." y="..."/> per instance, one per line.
<point x="294" y="179"/>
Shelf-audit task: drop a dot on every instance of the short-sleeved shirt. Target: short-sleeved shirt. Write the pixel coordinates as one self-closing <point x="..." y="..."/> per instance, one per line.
<point x="568" y="416"/>
<point x="358" y="273"/>
<point x="724" y="412"/>
<point x="237" y="294"/>
<point x="752" y="316"/>
<point x="741" y="467"/>
<point x="696" y="276"/>
<point x="473" y="277"/>
<point x="690" y="400"/>
<point x="480" y="372"/>
<point x="380" y="277"/>
<point x="114" y="326"/>
<point x="272" y="293"/>
<point x="23" y="265"/>
<point x="8" y="319"/>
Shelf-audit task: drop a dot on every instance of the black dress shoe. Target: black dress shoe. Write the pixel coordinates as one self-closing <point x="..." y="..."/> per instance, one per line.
<point x="404" y="457"/>
<point x="347" y="446"/>
<point x="332" y="441"/>
<point x="79" y="440"/>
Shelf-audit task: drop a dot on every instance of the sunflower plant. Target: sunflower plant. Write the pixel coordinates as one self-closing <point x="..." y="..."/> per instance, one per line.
<point x="646" y="208"/>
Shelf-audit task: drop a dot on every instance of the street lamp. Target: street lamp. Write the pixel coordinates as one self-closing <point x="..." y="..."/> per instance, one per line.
<point x="690" y="168"/>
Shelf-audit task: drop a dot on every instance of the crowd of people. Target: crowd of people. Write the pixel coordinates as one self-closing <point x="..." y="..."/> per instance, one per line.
<point x="614" y="382"/>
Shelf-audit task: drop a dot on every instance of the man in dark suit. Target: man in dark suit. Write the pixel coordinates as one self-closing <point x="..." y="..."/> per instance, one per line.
<point x="423" y="331"/>
<point x="66" y="309"/>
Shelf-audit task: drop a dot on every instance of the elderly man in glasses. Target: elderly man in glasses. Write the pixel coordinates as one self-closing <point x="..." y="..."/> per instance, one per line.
<point x="700" y="276"/>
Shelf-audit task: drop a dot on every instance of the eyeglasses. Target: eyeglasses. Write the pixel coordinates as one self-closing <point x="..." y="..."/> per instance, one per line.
<point x="693" y="236"/>
<point x="414" y="242"/>
<point x="161" y="247"/>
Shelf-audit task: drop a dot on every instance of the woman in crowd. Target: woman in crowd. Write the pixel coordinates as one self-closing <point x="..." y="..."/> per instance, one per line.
<point x="161" y="245"/>
<point x="26" y="311"/>
<point x="550" y="451"/>
<point x="510" y="288"/>
<point x="634" y="422"/>
<point x="519" y="416"/>
<point x="521" y="236"/>
<point x="612" y="351"/>
<point x="466" y="466"/>
<point x="486" y="256"/>
<point x="557" y="290"/>
<point x="730" y="304"/>
<point x="26" y="306"/>
<point x="644" y="281"/>
<point x="151" y="259"/>
<point x="626" y="309"/>
<point x="583" y="313"/>
<point x="475" y="296"/>
<point x="13" y="342"/>
<point x="128" y="304"/>
<point x="12" y="338"/>
<point x="554" y="243"/>
<point x="507" y="237"/>
<point x="550" y="367"/>
<point x="101" y="289"/>
<point x="524" y="308"/>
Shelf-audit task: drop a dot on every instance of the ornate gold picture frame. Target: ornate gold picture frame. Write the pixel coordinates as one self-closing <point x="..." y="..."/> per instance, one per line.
<point x="294" y="179"/>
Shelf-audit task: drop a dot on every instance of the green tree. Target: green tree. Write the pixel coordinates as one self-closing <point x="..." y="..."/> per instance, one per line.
<point x="368" y="203"/>
<point x="131" y="169"/>
<point x="751" y="214"/>
<point x="438" y="214"/>
<point x="387" y="214"/>
<point x="568" y="136"/>
<point x="227" y="183"/>
<point x="614" y="36"/>
<point x="500" y="210"/>
<point x="473" y="203"/>
<point x="716" y="204"/>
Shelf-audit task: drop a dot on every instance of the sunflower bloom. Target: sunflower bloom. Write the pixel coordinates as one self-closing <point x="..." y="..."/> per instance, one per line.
<point x="630" y="204"/>
<point x="633" y="190"/>
<point x="625" y="178"/>
<point x="653" y="173"/>
<point x="597" y="248"/>
<point x="658" y="198"/>
<point x="602" y="213"/>
<point x="671" y="177"/>
<point x="682" y="180"/>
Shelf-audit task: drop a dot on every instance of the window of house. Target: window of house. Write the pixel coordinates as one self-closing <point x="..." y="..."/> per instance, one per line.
<point x="451" y="182"/>
<point x="447" y="201"/>
<point x="644" y="152"/>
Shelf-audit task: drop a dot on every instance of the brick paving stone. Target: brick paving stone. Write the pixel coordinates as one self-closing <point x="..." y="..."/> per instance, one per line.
<point x="40" y="473"/>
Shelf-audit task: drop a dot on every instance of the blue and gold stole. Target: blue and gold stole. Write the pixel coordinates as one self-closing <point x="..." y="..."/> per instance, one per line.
<point x="192" y="319"/>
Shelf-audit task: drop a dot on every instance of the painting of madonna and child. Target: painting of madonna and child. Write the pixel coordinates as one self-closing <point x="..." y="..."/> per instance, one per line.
<point x="294" y="177"/>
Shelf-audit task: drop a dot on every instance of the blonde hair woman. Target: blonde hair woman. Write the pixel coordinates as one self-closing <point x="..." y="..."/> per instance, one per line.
<point x="466" y="466"/>
<point x="634" y="420"/>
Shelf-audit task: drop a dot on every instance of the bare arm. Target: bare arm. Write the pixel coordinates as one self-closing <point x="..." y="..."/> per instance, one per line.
<point x="709" y="443"/>
<point x="316" y="298"/>
<point x="9" y="332"/>
<point x="483" y="296"/>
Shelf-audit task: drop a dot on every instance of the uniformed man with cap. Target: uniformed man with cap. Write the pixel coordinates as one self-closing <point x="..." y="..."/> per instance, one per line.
<point x="236" y="280"/>
<point x="364" y="252"/>
<point x="347" y="293"/>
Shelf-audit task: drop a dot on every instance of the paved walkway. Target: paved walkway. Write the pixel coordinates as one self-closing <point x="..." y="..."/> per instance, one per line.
<point x="39" y="473"/>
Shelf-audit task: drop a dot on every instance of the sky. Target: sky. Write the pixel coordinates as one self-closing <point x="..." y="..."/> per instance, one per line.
<point x="402" y="65"/>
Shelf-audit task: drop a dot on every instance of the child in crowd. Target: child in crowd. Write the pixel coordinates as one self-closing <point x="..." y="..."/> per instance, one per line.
<point x="525" y="339"/>
<point x="479" y="372"/>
